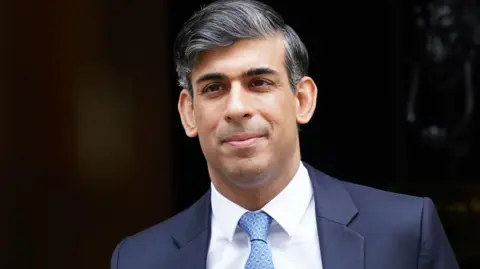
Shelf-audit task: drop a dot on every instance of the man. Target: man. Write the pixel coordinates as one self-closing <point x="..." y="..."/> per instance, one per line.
<point x="245" y="91"/>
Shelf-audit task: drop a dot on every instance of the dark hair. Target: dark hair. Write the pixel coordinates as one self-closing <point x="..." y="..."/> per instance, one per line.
<point x="224" y="22"/>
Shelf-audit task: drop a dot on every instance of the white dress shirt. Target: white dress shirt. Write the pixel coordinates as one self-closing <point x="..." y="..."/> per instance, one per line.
<point x="293" y="236"/>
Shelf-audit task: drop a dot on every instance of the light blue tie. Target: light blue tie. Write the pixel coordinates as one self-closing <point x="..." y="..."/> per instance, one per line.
<point x="256" y="225"/>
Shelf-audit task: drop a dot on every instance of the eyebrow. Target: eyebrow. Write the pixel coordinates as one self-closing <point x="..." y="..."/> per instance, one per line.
<point x="259" y="71"/>
<point x="249" y="73"/>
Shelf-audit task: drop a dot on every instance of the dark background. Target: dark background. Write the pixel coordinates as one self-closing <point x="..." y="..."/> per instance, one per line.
<point x="92" y="150"/>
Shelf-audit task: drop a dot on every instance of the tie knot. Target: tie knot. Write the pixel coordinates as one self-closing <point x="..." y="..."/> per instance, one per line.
<point x="256" y="225"/>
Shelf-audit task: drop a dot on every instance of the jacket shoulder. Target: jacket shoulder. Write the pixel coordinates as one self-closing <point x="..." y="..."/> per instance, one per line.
<point x="153" y="245"/>
<point x="371" y="195"/>
<point x="390" y="212"/>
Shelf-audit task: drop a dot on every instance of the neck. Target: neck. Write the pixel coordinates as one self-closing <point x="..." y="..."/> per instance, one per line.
<point x="273" y="182"/>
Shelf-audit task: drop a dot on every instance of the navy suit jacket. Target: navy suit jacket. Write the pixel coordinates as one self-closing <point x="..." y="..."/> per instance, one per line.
<point x="358" y="228"/>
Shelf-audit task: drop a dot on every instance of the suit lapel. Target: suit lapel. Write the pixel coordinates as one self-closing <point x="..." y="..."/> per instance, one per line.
<point x="192" y="236"/>
<point x="340" y="246"/>
<point x="193" y="255"/>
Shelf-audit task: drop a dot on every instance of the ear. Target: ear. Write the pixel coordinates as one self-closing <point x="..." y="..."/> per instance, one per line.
<point x="306" y="99"/>
<point x="185" y="108"/>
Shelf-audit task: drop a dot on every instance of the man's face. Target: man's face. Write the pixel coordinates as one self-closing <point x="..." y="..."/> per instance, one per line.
<point x="243" y="109"/>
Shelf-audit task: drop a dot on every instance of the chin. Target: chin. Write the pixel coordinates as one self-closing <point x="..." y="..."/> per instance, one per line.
<point x="247" y="172"/>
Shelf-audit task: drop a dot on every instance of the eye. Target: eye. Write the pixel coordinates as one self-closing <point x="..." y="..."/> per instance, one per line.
<point x="213" y="88"/>
<point x="259" y="83"/>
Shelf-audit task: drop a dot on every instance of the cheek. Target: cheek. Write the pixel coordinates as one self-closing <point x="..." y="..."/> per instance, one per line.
<point x="206" y="131"/>
<point x="206" y="119"/>
<point x="280" y="110"/>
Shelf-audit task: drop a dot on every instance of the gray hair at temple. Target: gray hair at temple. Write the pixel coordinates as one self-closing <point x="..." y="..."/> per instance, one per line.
<point x="224" y="22"/>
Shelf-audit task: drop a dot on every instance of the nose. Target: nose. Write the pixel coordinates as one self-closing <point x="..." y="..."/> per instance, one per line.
<point x="238" y="106"/>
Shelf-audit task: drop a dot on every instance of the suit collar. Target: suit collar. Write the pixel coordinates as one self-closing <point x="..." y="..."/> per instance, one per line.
<point x="341" y="247"/>
<point x="332" y="200"/>
<point x="191" y="234"/>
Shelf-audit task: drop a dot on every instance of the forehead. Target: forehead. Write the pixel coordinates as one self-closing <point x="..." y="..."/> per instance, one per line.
<point x="268" y="52"/>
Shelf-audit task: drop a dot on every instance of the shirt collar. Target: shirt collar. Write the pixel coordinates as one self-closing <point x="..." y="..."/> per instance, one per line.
<point x="225" y="213"/>
<point x="287" y="208"/>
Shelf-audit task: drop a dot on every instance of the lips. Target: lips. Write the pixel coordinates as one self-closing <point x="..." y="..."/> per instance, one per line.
<point x="242" y="139"/>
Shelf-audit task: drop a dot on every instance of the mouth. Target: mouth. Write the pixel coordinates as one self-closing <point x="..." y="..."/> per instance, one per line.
<point x="242" y="140"/>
